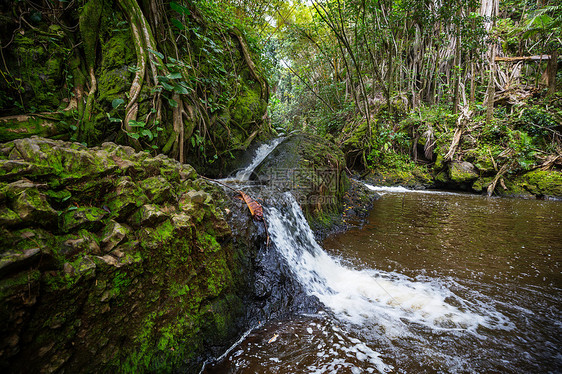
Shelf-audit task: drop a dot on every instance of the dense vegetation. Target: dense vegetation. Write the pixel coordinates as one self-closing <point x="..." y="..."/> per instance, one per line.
<point x="178" y="78"/>
<point x="120" y="257"/>
<point x="407" y="88"/>
<point x="410" y="89"/>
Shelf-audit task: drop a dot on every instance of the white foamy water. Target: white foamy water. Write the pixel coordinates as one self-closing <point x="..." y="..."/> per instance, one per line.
<point x="373" y="298"/>
<point x="400" y="189"/>
<point x="261" y="153"/>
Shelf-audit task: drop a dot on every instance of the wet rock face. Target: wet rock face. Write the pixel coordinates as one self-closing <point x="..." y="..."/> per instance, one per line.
<point x="273" y="293"/>
<point x="122" y="261"/>
<point x="311" y="168"/>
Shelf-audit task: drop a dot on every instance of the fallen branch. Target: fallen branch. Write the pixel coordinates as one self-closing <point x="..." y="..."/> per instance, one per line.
<point x="500" y="174"/>
<point x="523" y="58"/>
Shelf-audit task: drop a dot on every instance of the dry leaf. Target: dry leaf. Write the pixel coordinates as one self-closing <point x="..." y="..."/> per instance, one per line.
<point x="255" y="209"/>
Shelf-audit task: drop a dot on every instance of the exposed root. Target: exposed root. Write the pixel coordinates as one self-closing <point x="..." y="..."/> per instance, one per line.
<point x="251" y="65"/>
<point x="178" y="114"/>
<point x="91" y="93"/>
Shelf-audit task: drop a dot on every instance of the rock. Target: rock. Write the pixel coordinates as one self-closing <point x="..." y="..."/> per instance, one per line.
<point x="462" y="171"/>
<point x="109" y="260"/>
<point x="76" y="218"/>
<point x="312" y="168"/>
<point x="147" y="215"/>
<point x="112" y="235"/>
<point x="181" y="221"/>
<point x="125" y="199"/>
<point x="187" y="172"/>
<point x="85" y="265"/>
<point x="83" y="241"/>
<point x="157" y="189"/>
<point x="68" y="269"/>
<point x="29" y="203"/>
<point x="182" y="267"/>
<point x="8" y="217"/>
<point x="32" y="206"/>
<point x="14" y="260"/>
<point x="541" y="183"/>
<point x="13" y="169"/>
<point x="196" y="197"/>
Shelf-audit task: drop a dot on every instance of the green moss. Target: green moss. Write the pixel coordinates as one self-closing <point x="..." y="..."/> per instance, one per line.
<point x="439" y="162"/>
<point x="16" y="129"/>
<point x="154" y="301"/>
<point x="460" y="175"/>
<point x="244" y="112"/>
<point x="113" y="84"/>
<point x="157" y="189"/>
<point x="89" y="218"/>
<point x="207" y="242"/>
<point x="541" y="182"/>
<point x="89" y="27"/>
<point x="126" y="198"/>
<point x="164" y="231"/>
<point x="13" y="285"/>
<point x="481" y="184"/>
<point x="442" y="177"/>
<point x="39" y="58"/>
<point x="58" y="197"/>
<point x="120" y="282"/>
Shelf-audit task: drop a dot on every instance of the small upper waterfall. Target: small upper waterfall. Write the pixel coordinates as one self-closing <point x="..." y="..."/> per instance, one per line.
<point x="261" y="153"/>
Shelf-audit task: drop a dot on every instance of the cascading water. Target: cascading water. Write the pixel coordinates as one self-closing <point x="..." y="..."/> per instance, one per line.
<point x="261" y="153"/>
<point x="419" y="316"/>
<point x="364" y="297"/>
<point x="456" y="307"/>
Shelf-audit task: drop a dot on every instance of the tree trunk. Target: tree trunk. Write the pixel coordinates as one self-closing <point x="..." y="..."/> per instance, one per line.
<point x="552" y="69"/>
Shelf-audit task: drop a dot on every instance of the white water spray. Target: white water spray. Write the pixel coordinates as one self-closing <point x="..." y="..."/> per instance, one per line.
<point x="371" y="297"/>
<point x="399" y="189"/>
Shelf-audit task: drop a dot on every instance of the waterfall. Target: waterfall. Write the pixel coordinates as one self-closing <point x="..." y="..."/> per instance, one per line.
<point x="371" y="297"/>
<point x="261" y="153"/>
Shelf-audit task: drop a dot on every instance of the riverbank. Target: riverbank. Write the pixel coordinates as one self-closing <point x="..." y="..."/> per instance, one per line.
<point x="539" y="184"/>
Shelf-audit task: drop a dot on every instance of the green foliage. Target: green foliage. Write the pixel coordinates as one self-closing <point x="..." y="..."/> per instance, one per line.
<point x="523" y="148"/>
<point x="536" y="121"/>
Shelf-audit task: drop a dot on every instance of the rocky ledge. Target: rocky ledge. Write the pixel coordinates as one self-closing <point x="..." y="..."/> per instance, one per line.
<point x="116" y="261"/>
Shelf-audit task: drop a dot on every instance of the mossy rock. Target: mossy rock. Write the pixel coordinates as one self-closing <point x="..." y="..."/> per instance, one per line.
<point x="312" y="168"/>
<point x="30" y="204"/>
<point x="541" y="182"/>
<point x="157" y="189"/>
<point x="481" y="184"/>
<point x="462" y="172"/>
<point x="89" y="218"/>
<point x="39" y="75"/>
<point x="98" y="294"/>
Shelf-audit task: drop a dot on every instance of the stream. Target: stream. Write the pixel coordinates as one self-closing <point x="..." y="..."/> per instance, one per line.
<point x="433" y="282"/>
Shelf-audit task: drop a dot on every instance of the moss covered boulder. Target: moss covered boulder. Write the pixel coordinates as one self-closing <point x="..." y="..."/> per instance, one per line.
<point x="462" y="172"/>
<point x="112" y="260"/>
